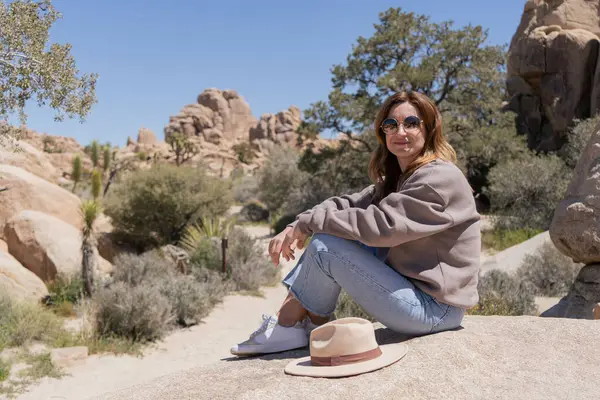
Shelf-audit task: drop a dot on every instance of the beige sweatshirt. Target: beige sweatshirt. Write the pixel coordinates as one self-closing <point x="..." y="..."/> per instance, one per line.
<point x="430" y="224"/>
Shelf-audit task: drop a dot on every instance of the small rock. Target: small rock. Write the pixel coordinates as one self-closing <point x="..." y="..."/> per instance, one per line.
<point x="69" y="356"/>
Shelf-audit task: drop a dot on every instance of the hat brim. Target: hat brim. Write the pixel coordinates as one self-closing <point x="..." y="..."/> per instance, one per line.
<point x="390" y="354"/>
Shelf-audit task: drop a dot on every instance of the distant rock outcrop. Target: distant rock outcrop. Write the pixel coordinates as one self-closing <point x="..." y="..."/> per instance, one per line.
<point x="280" y="127"/>
<point x="216" y="115"/>
<point x="553" y="72"/>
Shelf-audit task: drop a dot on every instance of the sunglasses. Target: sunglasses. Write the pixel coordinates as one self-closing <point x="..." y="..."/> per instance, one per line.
<point x="391" y="126"/>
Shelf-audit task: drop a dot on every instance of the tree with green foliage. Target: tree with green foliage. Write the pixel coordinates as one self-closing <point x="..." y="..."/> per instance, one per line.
<point x="94" y="153"/>
<point x="455" y="67"/>
<point x="96" y="183"/>
<point x="76" y="171"/>
<point x="183" y="148"/>
<point x="33" y="68"/>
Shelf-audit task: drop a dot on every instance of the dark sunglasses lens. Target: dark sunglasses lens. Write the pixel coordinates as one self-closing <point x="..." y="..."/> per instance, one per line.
<point x="411" y="122"/>
<point x="389" y="125"/>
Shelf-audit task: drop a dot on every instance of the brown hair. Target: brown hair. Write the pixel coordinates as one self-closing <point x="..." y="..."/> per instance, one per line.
<point x="384" y="169"/>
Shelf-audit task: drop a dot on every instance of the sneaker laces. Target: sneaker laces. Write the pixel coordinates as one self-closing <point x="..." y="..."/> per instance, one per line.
<point x="263" y="327"/>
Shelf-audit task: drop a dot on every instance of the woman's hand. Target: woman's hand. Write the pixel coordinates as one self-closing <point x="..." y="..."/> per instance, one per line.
<point x="285" y="243"/>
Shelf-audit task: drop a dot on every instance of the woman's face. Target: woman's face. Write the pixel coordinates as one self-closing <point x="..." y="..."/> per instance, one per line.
<point x="406" y="137"/>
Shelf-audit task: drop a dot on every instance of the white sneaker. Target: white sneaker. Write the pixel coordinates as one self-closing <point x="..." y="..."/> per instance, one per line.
<point x="271" y="337"/>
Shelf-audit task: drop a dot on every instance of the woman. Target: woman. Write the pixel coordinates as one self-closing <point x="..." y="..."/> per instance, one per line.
<point x="406" y="248"/>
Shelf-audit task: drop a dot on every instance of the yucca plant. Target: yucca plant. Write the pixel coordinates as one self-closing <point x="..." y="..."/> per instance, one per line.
<point x="205" y="228"/>
<point x="106" y="159"/>
<point x="90" y="210"/>
<point x="95" y="153"/>
<point x="76" y="171"/>
<point x="96" y="183"/>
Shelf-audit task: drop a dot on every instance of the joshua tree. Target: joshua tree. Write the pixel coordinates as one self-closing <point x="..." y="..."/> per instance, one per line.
<point x="106" y="158"/>
<point x="94" y="153"/>
<point x="76" y="171"/>
<point x="96" y="183"/>
<point x="90" y="209"/>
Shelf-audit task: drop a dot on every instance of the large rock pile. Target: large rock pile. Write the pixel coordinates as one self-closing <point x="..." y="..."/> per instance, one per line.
<point x="575" y="231"/>
<point x="216" y="115"/>
<point x="553" y="69"/>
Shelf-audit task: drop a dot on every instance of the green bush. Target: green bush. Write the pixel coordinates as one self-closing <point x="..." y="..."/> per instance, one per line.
<point x="23" y="322"/>
<point x="500" y="239"/>
<point x="244" y="152"/>
<point x="577" y="139"/>
<point x="278" y="177"/>
<point x="245" y="188"/>
<point x="548" y="271"/>
<point x="527" y="191"/>
<point x="207" y="254"/>
<point x="5" y="367"/>
<point x="64" y="289"/>
<point x="347" y="307"/>
<point x="151" y="208"/>
<point x="503" y="294"/>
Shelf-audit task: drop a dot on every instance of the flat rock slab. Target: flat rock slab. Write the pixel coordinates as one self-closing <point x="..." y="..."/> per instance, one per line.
<point x="490" y="358"/>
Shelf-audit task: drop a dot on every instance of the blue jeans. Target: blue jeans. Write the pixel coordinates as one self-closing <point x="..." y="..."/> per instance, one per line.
<point x="330" y="263"/>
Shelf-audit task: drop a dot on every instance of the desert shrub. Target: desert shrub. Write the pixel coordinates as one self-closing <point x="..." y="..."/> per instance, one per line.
<point x="249" y="267"/>
<point x="216" y="287"/>
<point x="245" y="188"/>
<point x="244" y="152"/>
<point x="139" y="313"/>
<point x="548" y="271"/>
<point x="577" y="139"/>
<point x="5" y="367"/>
<point x="188" y="298"/>
<point x="24" y="322"/>
<point x="125" y="306"/>
<point x="207" y="254"/>
<point x="278" y="177"/>
<point x="254" y="211"/>
<point x="151" y="208"/>
<point x="500" y="239"/>
<point x="347" y="307"/>
<point x="527" y="190"/>
<point x="503" y="294"/>
<point x="64" y="289"/>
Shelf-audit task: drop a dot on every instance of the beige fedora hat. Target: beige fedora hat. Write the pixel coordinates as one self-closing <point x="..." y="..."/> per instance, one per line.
<point x="345" y="347"/>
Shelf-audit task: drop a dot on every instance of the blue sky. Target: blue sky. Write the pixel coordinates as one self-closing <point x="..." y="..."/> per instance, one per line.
<point x="153" y="57"/>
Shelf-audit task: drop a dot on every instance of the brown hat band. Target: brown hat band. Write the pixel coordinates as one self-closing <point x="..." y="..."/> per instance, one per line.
<point x="348" y="359"/>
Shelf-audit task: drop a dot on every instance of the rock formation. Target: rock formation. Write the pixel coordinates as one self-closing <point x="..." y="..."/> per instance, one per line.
<point x="553" y="73"/>
<point x="280" y="127"/>
<point x="17" y="281"/>
<point x="216" y="115"/>
<point x="575" y="231"/>
<point x="45" y="245"/>
<point x="29" y="192"/>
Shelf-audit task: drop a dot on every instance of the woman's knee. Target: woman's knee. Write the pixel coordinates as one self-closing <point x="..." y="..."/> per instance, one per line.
<point x="326" y="242"/>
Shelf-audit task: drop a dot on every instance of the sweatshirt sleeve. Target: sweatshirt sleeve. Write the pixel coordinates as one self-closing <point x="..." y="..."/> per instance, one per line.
<point x="418" y="210"/>
<point x="359" y="200"/>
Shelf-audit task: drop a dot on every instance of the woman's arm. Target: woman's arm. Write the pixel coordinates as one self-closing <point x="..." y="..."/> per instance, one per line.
<point x="432" y="200"/>
<point x="360" y="199"/>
